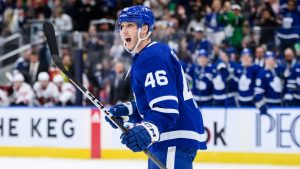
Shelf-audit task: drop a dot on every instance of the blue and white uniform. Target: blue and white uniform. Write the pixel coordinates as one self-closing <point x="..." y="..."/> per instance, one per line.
<point x="225" y="85"/>
<point x="155" y="74"/>
<point x="202" y="81"/>
<point x="246" y="76"/>
<point x="171" y="122"/>
<point x="269" y="85"/>
<point x="292" y="86"/>
<point x="246" y="83"/>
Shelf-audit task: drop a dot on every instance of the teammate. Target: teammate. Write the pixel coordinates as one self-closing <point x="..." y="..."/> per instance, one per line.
<point x="224" y="83"/>
<point x="202" y="80"/>
<point x="246" y="74"/>
<point x="268" y="85"/>
<point x="168" y="118"/>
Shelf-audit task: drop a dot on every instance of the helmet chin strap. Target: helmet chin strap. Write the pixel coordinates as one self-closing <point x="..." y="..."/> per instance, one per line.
<point x="138" y="42"/>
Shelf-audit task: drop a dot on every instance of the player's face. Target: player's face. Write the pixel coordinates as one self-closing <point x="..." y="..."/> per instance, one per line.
<point x="129" y="33"/>
<point x="17" y="85"/>
<point x="202" y="60"/>
<point x="270" y="63"/>
<point x="44" y="83"/>
<point x="246" y="60"/>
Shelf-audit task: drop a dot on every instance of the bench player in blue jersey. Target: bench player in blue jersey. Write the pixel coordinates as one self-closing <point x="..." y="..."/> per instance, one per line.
<point x="168" y="119"/>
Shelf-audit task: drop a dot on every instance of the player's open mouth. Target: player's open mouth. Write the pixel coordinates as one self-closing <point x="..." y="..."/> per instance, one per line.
<point x="128" y="40"/>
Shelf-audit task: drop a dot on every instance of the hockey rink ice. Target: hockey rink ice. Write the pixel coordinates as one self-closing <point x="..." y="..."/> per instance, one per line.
<point x="50" y="163"/>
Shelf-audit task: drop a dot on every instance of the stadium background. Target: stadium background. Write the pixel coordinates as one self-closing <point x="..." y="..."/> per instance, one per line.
<point x="85" y="32"/>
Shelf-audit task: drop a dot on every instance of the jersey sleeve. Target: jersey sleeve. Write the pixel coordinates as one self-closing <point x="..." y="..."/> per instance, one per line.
<point x="159" y="83"/>
<point x="259" y="90"/>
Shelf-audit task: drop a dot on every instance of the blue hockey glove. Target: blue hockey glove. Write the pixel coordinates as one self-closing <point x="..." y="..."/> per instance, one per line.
<point x="126" y="112"/>
<point x="263" y="109"/>
<point x="140" y="137"/>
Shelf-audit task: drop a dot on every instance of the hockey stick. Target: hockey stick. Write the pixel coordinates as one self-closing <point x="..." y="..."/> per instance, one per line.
<point x="51" y="40"/>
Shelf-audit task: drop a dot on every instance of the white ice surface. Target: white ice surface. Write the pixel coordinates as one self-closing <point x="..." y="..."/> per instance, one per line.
<point x="48" y="163"/>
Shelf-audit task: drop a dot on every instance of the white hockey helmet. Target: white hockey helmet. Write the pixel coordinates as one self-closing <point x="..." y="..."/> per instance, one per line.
<point x="18" y="78"/>
<point x="43" y="76"/>
<point x="58" y="79"/>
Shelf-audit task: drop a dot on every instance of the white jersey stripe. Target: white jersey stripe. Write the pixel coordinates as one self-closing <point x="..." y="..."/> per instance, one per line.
<point x="171" y="157"/>
<point x="165" y="110"/>
<point x="162" y="98"/>
<point x="186" y="134"/>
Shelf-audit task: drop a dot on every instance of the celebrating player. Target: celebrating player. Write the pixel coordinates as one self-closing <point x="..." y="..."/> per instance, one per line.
<point x="168" y="119"/>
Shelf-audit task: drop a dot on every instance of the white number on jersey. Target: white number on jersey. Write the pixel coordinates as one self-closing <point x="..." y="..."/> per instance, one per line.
<point x="187" y="94"/>
<point x="160" y="76"/>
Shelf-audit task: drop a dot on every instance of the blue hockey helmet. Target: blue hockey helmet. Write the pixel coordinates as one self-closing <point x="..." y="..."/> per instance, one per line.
<point x="202" y="53"/>
<point x="269" y="54"/>
<point x="246" y="51"/>
<point x="141" y="15"/>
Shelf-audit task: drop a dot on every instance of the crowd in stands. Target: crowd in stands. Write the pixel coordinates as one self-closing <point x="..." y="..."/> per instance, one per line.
<point x="234" y="53"/>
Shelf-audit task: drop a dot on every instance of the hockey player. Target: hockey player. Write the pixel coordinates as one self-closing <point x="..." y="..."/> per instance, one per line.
<point x="66" y="90"/>
<point x="268" y="85"/>
<point x="46" y="92"/>
<point x="4" y="101"/>
<point x="224" y="83"/>
<point x="168" y="118"/>
<point x="202" y="80"/>
<point x="291" y="75"/>
<point x="22" y="92"/>
<point x="246" y="74"/>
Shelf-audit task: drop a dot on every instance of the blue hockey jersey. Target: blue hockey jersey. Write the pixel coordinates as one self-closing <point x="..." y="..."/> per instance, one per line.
<point x="268" y="87"/>
<point x="164" y="99"/>
<point x="202" y="84"/>
<point x="246" y="82"/>
<point x="292" y="85"/>
<point x="225" y="85"/>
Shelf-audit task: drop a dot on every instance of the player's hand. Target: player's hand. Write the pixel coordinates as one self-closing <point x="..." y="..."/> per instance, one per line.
<point x="120" y="112"/>
<point x="140" y="137"/>
<point x="263" y="109"/>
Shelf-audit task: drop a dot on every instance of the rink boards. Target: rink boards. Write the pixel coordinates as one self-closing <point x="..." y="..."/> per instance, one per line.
<point x="233" y="135"/>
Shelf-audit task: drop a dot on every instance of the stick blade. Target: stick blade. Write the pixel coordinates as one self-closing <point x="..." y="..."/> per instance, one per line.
<point x="51" y="39"/>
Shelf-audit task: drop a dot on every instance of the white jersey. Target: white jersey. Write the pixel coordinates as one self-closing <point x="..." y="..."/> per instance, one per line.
<point x="48" y="96"/>
<point x="67" y="93"/>
<point x="24" y="94"/>
<point x="4" y="101"/>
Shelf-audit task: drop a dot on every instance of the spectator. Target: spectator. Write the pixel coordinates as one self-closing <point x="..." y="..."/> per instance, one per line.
<point x="46" y="92"/>
<point x="199" y="42"/>
<point x="268" y="24"/>
<point x="22" y="64"/>
<point x="120" y="87"/>
<point x="87" y="12"/>
<point x="197" y="21"/>
<point x="67" y="62"/>
<point x="22" y="92"/>
<point x="41" y="8"/>
<point x="35" y="67"/>
<point x="66" y="90"/>
<point x="215" y="28"/>
<point x="63" y="21"/>
<point x="289" y="32"/>
<point x="236" y="21"/>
